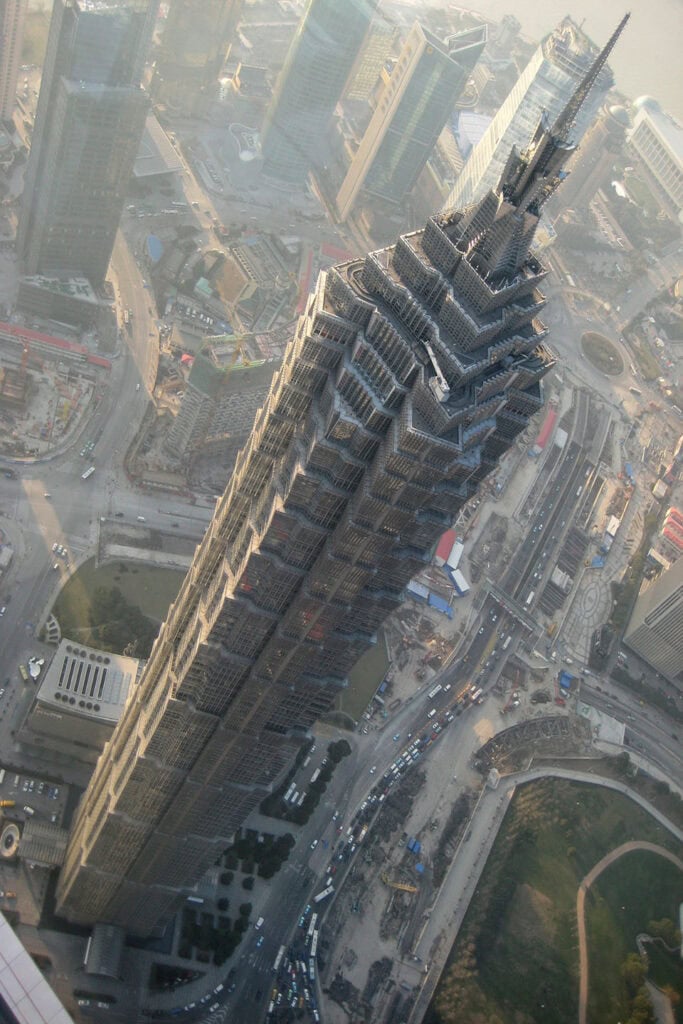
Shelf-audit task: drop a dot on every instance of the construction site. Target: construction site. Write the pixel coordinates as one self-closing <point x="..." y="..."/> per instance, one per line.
<point x="48" y="386"/>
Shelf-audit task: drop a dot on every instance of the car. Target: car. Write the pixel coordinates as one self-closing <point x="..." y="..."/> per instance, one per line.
<point x="396" y="737"/>
<point x="373" y="769"/>
<point x="259" y="942"/>
<point x="481" y="631"/>
<point x="3" y="610"/>
<point x="314" y="844"/>
<point x="55" y="546"/>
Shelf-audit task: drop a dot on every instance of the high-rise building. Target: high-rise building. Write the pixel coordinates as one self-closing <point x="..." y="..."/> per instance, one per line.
<point x="591" y="164"/>
<point x="12" y="14"/>
<point x="545" y="85"/>
<point x="411" y="112"/>
<point x="655" y="631"/>
<point x="89" y="122"/>
<point x="194" y="42"/>
<point x="375" y="51"/>
<point x="657" y="139"/>
<point x="410" y="373"/>
<point x="310" y="85"/>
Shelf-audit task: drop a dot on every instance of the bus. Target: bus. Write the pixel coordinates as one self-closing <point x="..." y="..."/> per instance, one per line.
<point x="529" y="598"/>
<point x="178" y="204"/>
<point x="126" y="318"/>
<point x="278" y="958"/>
<point x="314" y="944"/>
<point x="311" y="927"/>
<point x="636" y="391"/>
<point x="88" y="473"/>
<point x="324" y="894"/>
<point x="433" y="693"/>
<point x="23" y="672"/>
<point x="2" y="775"/>
<point x="476" y="696"/>
<point x="506" y="642"/>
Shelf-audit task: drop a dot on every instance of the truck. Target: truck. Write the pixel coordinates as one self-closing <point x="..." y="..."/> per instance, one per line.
<point x="7" y="803"/>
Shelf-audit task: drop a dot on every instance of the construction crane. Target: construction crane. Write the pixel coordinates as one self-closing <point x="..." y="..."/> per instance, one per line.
<point x="403" y="886"/>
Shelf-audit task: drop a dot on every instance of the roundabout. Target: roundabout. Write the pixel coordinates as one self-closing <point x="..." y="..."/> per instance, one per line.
<point x="602" y="353"/>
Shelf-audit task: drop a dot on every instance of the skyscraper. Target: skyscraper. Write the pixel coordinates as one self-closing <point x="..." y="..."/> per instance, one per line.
<point x="12" y="14"/>
<point x="591" y="164"/>
<point x="376" y="49"/>
<point x="195" y="38"/>
<point x="411" y="112"/>
<point x="89" y="122"/>
<point x="410" y="373"/>
<point x="545" y="85"/>
<point x="310" y="85"/>
<point x="655" y="631"/>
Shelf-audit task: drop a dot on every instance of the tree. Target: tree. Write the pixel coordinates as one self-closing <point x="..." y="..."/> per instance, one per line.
<point x="633" y="972"/>
<point x="248" y="883"/>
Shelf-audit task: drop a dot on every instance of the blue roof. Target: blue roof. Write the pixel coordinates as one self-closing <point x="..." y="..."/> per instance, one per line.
<point x="155" y="248"/>
<point x="442" y="606"/>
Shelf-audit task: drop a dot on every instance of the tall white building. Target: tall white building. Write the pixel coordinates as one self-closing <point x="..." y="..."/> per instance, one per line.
<point x="658" y="141"/>
<point x="12" y="14"/>
<point x="549" y="79"/>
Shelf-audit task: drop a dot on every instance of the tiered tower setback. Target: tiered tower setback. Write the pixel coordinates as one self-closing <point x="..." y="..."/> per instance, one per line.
<point x="410" y="373"/>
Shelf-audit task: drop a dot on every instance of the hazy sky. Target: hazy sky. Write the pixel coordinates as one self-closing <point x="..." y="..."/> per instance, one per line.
<point x="647" y="58"/>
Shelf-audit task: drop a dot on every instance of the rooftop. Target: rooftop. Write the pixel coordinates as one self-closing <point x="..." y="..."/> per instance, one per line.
<point x="156" y="154"/>
<point x="87" y="682"/>
<point x="24" y="993"/>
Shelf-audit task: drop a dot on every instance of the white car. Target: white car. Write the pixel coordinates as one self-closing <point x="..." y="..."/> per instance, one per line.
<point x="314" y="844"/>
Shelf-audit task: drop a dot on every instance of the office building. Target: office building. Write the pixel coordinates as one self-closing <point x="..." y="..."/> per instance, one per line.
<point x="194" y="42"/>
<point x="655" y="631"/>
<point x="373" y="55"/>
<point x="592" y="164"/>
<point x="411" y="112"/>
<point x="79" y="701"/>
<point x="89" y="122"/>
<point x="310" y="85"/>
<point x="411" y="371"/>
<point x="12" y="14"/>
<point x="657" y="140"/>
<point x="545" y="85"/>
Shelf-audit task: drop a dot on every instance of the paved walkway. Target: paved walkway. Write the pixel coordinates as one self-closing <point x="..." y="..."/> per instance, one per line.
<point x="585" y="885"/>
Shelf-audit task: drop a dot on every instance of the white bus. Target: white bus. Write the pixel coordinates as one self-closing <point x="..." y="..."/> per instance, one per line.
<point x="433" y="693"/>
<point x="278" y="958"/>
<point x="324" y="894"/>
<point x="529" y="598"/>
<point x="506" y="643"/>
<point x="88" y="473"/>
<point x="311" y="927"/>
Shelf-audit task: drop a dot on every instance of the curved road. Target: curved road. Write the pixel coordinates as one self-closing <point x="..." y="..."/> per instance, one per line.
<point x="585" y="885"/>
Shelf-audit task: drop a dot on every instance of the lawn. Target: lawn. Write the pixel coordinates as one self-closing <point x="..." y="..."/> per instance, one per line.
<point x="600" y="351"/>
<point x="152" y="590"/>
<point x="516" y="958"/>
<point x="364" y="678"/>
<point x="638" y="888"/>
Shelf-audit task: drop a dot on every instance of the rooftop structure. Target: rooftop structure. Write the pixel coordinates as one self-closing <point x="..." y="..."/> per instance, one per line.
<point x="25" y="995"/>
<point x="80" y="699"/>
<point x="411" y="371"/>
<point x="156" y="155"/>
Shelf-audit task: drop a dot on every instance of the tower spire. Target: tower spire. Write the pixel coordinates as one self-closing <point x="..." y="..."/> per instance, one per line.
<point x="566" y="119"/>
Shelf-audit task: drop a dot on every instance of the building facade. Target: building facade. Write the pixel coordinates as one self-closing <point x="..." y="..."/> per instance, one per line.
<point x="655" y="631"/>
<point x="657" y="139"/>
<point x="195" y="39"/>
<point x="12" y="15"/>
<point x="374" y="53"/>
<point x="310" y="85"/>
<point x="410" y="373"/>
<point x="591" y="165"/>
<point x="89" y="122"/>
<point x="556" y="67"/>
<point x="411" y="112"/>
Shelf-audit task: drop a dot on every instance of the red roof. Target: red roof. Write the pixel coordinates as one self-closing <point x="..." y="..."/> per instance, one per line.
<point x="546" y="429"/>
<point x="443" y="548"/>
<point x="675" y="538"/>
<point x="675" y="514"/>
<point x="24" y="334"/>
<point x="671" y="524"/>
